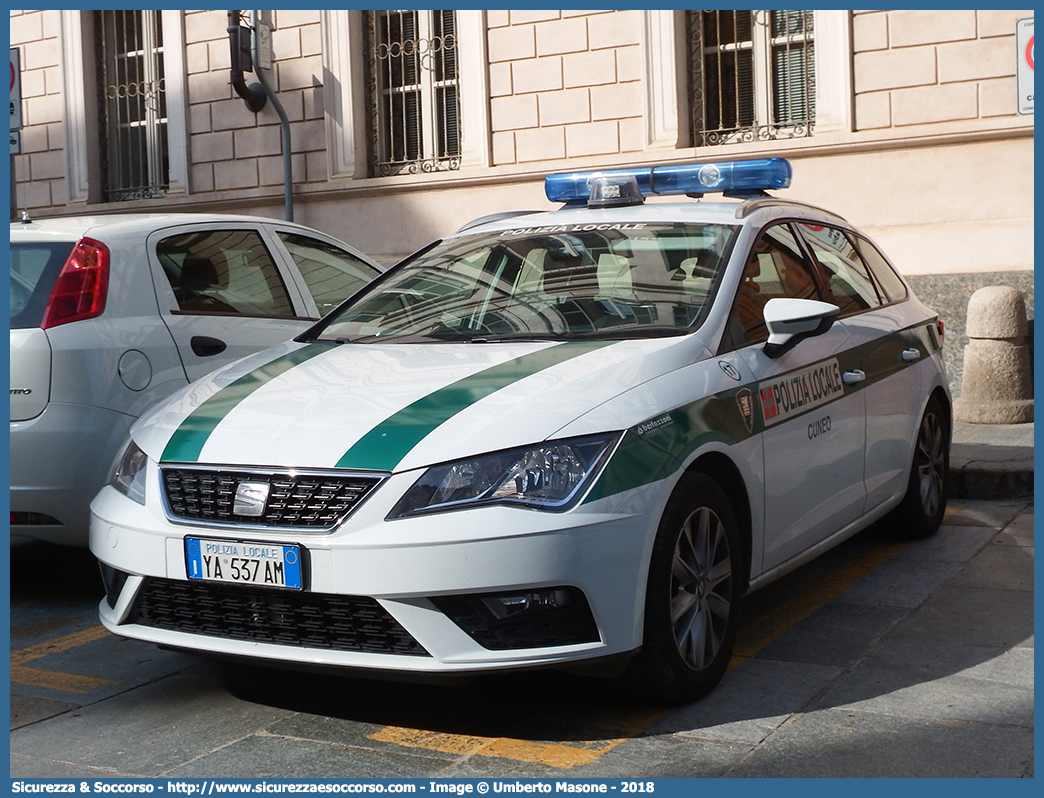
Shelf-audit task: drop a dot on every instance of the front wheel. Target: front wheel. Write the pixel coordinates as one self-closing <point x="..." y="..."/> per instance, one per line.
<point x="693" y="595"/>
<point x="921" y="511"/>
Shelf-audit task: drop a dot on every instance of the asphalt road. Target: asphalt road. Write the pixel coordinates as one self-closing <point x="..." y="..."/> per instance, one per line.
<point x="881" y="658"/>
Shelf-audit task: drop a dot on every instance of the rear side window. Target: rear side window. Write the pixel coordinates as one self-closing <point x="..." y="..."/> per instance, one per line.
<point x="223" y="271"/>
<point x="331" y="273"/>
<point x="848" y="281"/>
<point x="890" y="282"/>
<point x="34" y="269"/>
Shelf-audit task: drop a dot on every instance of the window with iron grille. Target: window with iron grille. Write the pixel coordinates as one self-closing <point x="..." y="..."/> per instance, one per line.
<point x="132" y="105"/>
<point x="413" y="84"/>
<point x="753" y="75"/>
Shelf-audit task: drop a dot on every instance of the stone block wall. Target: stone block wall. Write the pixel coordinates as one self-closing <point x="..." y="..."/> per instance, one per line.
<point x="564" y="84"/>
<point x="232" y="148"/>
<point x="932" y="100"/>
<point x="41" y="167"/>
<point x="917" y="67"/>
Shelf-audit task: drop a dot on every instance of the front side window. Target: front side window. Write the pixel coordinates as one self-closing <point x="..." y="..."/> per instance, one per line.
<point x="132" y="105"/>
<point x="752" y="75"/>
<point x="413" y="85"/>
<point x="223" y="271"/>
<point x="645" y="281"/>
<point x="331" y="273"/>
<point x="775" y="268"/>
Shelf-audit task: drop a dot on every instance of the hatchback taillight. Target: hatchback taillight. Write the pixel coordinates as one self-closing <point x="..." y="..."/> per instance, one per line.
<point x="79" y="292"/>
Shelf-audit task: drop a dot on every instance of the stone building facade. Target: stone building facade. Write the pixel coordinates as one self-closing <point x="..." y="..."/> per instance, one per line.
<point x="907" y="122"/>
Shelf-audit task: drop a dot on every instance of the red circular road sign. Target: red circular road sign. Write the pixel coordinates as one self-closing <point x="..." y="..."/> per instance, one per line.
<point x="1029" y="53"/>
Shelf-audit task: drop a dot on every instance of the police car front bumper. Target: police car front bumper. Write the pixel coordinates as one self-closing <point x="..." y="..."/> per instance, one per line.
<point x="476" y="590"/>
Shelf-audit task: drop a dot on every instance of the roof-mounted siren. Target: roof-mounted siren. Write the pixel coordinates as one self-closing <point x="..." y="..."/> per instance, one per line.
<point x="603" y="189"/>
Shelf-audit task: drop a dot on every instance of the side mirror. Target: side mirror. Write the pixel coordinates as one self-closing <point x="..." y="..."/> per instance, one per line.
<point x="791" y="321"/>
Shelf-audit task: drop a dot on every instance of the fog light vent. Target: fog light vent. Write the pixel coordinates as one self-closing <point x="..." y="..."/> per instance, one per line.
<point x="114" y="581"/>
<point x="541" y="618"/>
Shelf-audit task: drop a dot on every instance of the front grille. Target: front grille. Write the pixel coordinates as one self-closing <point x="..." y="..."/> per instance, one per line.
<point x="296" y="500"/>
<point x="307" y="620"/>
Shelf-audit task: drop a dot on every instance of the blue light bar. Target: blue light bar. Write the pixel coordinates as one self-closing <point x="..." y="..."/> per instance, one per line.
<point x="726" y="176"/>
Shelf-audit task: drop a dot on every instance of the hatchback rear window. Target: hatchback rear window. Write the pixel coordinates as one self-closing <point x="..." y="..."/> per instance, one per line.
<point x="34" y="269"/>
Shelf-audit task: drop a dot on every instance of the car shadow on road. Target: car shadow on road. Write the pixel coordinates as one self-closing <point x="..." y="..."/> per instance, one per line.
<point x="53" y="590"/>
<point x="849" y="649"/>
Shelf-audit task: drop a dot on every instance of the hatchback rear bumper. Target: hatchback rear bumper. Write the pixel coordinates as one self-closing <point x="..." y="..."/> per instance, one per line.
<point x="59" y="461"/>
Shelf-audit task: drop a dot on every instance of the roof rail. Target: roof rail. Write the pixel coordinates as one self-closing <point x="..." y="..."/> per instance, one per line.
<point x="746" y="208"/>
<point x="494" y="217"/>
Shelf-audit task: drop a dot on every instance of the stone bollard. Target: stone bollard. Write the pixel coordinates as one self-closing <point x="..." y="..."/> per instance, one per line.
<point x="997" y="386"/>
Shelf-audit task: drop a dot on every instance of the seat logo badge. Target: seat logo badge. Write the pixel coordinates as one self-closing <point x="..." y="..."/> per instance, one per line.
<point x="729" y="369"/>
<point x="745" y="402"/>
<point x="251" y="498"/>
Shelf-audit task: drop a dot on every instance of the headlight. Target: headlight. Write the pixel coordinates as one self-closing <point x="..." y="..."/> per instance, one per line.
<point x="546" y="476"/>
<point x="129" y="477"/>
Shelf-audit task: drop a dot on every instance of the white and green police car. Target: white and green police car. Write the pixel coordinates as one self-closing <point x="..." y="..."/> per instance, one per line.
<point x="577" y="437"/>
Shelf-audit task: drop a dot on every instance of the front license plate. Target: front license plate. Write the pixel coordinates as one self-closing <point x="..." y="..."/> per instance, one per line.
<point x="244" y="563"/>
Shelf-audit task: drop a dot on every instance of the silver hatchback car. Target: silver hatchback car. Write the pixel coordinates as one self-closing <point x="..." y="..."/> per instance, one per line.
<point x="110" y="314"/>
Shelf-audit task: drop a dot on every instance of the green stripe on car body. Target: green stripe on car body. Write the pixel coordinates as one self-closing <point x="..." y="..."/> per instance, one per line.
<point x="883" y="357"/>
<point x="657" y="448"/>
<point x="188" y="439"/>
<point x="384" y="447"/>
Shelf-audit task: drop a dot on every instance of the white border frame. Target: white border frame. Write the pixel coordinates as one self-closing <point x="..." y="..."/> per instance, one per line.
<point x="346" y="101"/>
<point x="665" y="55"/>
<point x="77" y="160"/>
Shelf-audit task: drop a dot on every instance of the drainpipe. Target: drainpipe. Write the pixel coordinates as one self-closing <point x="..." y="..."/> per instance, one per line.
<point x="239" y="48"/>
<point x="263" y="59"/>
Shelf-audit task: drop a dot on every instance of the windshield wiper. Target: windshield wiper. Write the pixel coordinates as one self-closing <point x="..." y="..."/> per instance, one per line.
<point x="588" y="335"/>
<point x="398" y="338"/>
<point x="622" y="333"/>
<point x="498" y="338"/>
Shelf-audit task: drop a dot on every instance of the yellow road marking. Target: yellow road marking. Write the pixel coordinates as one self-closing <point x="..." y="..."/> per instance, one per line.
<point x="554" y="755"/>
<point x="60" y="644"/>
<point x="559" y="755"/>
<point x="461" y="744"/>
<point x="66" y="682"/>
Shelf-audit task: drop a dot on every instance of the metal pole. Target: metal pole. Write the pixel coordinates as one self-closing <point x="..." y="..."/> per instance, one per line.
<point x="284" y="122"/>
<point x="284" y="125"/>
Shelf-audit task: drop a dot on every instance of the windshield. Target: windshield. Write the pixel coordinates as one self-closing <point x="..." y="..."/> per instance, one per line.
<point x="569" y="281"/>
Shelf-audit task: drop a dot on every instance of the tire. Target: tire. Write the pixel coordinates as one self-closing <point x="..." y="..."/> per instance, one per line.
<point x="921" y="511"/>
<point x="695" y="585"/>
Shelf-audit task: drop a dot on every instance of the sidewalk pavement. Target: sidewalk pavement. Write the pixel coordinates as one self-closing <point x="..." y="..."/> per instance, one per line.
<point x="991" y="461"/>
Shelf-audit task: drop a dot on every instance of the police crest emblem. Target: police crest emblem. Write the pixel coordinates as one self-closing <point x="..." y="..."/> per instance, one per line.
<point x="745" y="402"/>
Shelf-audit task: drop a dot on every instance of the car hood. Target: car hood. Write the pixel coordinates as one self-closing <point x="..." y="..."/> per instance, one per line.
<point x="397" y="407"/>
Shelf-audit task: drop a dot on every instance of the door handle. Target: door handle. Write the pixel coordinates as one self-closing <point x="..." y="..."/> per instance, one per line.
<point x="910" y="355"/>
<point x="854" y="376"/>
<point x="205" y="346"/>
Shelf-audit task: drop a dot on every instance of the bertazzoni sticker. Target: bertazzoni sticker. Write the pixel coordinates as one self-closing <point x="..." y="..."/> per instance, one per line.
<point x="798" y="391"/>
